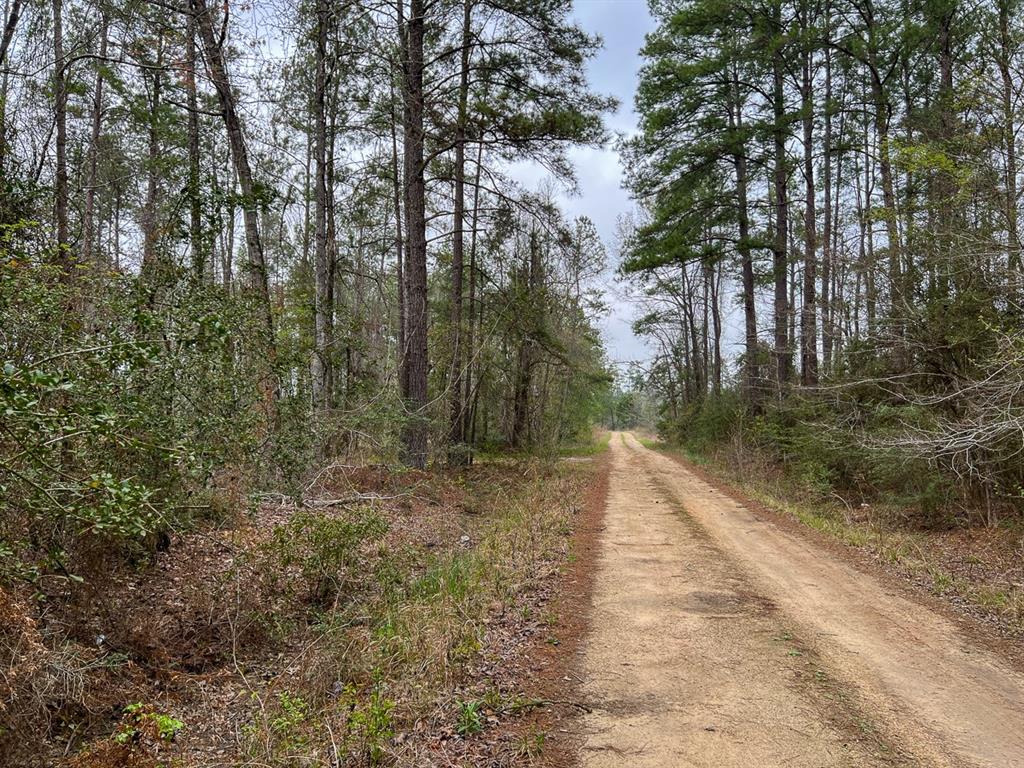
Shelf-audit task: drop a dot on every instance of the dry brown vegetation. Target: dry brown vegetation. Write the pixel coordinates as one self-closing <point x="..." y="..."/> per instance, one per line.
<point x="381" y="620"/>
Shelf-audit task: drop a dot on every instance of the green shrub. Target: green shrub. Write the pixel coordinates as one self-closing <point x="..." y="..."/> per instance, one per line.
<point x="369" y="725"/>
<point x="824" y="448"/>
<point x="139" y="717"/>
<point x="326" y="553"/>
<point x="122" y="400"/>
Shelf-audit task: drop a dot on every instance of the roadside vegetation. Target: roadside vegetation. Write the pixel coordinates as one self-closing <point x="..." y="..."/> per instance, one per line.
<point x="383" y="620"/>
<point x="287" y="363"/>
<point x="832" y="191"/>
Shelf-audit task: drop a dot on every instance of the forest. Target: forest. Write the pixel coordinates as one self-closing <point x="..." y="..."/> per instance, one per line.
<point x="245" y="248"/>
<point x="318" y="446"/>
<point x="833" y="189"/>
<point x="216" y="245"/>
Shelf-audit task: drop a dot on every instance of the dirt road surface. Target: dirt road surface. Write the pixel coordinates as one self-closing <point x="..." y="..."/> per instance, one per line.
<point x="719" y="639"/>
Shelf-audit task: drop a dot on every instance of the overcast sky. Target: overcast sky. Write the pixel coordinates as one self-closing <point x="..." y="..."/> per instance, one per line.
<point x="622" y="25"/>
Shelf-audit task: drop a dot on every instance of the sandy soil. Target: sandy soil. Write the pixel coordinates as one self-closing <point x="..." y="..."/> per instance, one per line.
<point x="719" y="639"/>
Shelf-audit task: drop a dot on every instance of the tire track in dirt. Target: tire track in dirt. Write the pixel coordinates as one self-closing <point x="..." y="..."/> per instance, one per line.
<point x="685" y="666"/>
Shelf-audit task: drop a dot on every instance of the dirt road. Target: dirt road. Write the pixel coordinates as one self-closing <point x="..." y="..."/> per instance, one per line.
<point x="719" y="639"/>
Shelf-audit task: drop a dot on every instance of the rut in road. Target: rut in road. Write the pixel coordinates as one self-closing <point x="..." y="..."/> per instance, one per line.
<point x="718" y="639"/>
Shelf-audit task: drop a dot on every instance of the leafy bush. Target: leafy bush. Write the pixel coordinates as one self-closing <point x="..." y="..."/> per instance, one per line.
<point x="808" y="441"/>
<point x="122" y="400"/>
<point x="141" y="740"/>
<point x="368" y="726"/>
<point x="321" y="556"/>
<point x="139" y="717"/>
<point x="707" y="423"/>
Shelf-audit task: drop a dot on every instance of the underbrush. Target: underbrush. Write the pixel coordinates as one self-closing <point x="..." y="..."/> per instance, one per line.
<point x="595" y="446"/>
<point x="825" y="450"/>
<point x="584" y="446"/>
<point x="339" y="631"/>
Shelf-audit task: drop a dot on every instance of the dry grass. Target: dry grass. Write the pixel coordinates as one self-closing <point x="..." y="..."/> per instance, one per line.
<point x="302" y="635"/>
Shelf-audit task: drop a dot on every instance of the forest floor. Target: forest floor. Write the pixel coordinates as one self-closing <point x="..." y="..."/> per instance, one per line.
<point x="726" y="635"/>
<point x="392" y="618"/>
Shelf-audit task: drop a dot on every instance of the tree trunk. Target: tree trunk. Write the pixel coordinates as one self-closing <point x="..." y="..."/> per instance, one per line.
<point x="60" y="117"/>
<point x="697" y="376"/>
<point x="150" y="258"/>
<point x="320" y="365"/>
<point x="881" y="119"/>
<point x="403" y="322"/>
<point x="808" y="312"/>
<point x="117" y="229"/>
<point x="868" y="241"/>
<point x="838" y="307"/>
<point x="527" y="352"/>
<point x="826" y="233"/>
<point x="705" y="341"/>
<point x="783" y="355"/>
<point x="200" y="258"/>
<point x="751" y="374"/>
<point x="472" y="365"/>
<point x="89" y="206"/>
<point x="716" y="324"/>
<point x="9" y="28"/>
<point x="1013" y="241"/>
<point x="414" y="436"/>
<point x="457" y="455"/>
<point x="256" y="267"/>
<point x="333" y="273"/>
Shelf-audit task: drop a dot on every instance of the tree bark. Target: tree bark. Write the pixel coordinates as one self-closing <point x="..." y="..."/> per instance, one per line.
<point x="698" y="377"/>
<point x="472" y="365"/>
<point x="751" y="374"/>
<point x="808" y="310"/>
<point x="826" y="239"/>
<point x="403" y="322"/>
<point x="333" y="261"/>
<point x="200" y="258"/>
<point x="716" y="325"/>
<point x="456" y="437"/>
<point x="783" y="355"/>
<point x="96" y="124"/>
<point x="881" y="119"/>
<point x="150" y="258"/>
<point x="60" y="116"/>
<point x="320" y="365"/>
<point x="705" y="345"/>
<point x="414" y="436"/>
<point x="527" y="354"/>
<point x="256" y="267"/>
<point x="1013" y="241"/>
<point x="9" y="28"/>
